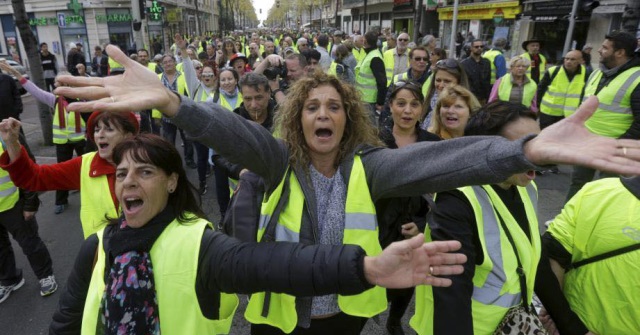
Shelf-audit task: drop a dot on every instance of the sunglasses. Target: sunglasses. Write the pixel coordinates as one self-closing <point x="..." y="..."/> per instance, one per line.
<point x="421" y="59"/>
<point x="448" y="63"/>
<point x="478" y="46"/>
<point x="403" y="39"/>
<point x="207" y="75"/>
<point x="198" y="67"/>
<point x="402" y="83"/>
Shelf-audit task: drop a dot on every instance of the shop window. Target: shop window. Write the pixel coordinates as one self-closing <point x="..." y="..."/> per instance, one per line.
<point x="120" y="32"/>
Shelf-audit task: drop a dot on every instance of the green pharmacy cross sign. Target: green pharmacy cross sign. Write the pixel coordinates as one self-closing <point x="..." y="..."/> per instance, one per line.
<point x="75" y="6"/>
<point x="155" y="11"/>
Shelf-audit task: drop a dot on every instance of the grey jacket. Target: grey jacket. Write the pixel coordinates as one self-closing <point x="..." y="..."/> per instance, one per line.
<point x="420" y="168"/>
<point x="440" y="166"/>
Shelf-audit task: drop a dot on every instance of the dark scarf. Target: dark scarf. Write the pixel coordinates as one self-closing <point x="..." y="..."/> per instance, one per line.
<point x="129" y="304"/>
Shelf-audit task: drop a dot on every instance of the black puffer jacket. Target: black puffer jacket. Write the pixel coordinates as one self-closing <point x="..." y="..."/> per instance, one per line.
<point x="248" y="267"/>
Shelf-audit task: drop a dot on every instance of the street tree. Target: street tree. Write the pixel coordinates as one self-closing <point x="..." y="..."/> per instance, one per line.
<point x="33" y="58"/>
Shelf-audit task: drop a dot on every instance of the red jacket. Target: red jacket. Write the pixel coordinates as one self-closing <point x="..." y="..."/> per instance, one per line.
<point x="60" y="176"/>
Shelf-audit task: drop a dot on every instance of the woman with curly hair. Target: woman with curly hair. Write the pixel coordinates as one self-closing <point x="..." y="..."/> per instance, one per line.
<point x="327" y="168"/>
<point x="455" y="106"/>
<point x="228" y="50"/>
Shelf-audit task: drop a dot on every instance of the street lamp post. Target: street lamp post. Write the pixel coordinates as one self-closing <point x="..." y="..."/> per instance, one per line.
<point x="454" y="27"/>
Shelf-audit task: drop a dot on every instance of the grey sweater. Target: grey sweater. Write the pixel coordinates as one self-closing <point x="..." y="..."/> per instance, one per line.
<point x="423" y="167"/>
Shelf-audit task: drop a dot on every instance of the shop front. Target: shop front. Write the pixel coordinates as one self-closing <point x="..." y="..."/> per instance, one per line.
<point x="486" y="21"/>
<point x="550" y="23"/>
<point x="403" y="14"/>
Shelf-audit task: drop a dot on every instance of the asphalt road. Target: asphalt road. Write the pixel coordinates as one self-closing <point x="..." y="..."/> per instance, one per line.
<point x="26" y="313"/>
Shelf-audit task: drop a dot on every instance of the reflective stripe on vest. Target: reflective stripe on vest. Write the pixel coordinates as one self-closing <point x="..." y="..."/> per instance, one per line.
<point x="361" y="228"/>
<point x="65" y="124"/>
<point x="563" y="96"/>
<point x="613" y="116"/>
<point x="174" y="257"/>
<point x="365" y="80"/>
<point x="542" y="66"/>
<point x="95" y="198"/>
<point x="9" y="194"/>
<point x="496" y="283"/>
<point x="528" y="92"/>
<point x="491" y="56"/>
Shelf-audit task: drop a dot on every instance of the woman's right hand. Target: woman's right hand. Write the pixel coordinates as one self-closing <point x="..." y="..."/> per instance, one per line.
<point x="10" y="133"/>
<point x="6" y="68"/>
<point x="137" y="89"/>
<point x="413" y="262"/>
<point x="570" y="142"/>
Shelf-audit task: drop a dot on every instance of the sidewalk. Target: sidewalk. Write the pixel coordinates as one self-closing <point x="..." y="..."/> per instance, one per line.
<point x="30" y="118"/>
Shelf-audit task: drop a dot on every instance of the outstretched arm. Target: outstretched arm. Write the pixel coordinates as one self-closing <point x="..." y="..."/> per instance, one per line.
<point x="566" y="142"/>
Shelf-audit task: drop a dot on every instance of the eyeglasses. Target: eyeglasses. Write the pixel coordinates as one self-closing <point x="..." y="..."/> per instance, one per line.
<point x="403" y="39"/>
<point x="478" y="46"/>
<point x="449" y="63"/>
<point x="207" y="75"/>
<point x="421" y="59"/>
<point x="198" y="67"/>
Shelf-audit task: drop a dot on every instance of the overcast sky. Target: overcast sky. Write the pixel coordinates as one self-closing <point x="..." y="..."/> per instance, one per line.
<point x="265" y="5"/>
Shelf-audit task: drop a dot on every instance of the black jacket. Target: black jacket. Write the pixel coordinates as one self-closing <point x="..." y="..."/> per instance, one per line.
<point x="234" y="169"/>
<point x="101" y="68"/>
<point x="296" y="269"/>
<point x="392" y="213"/>
<point x="479" y="74"/>
<point x="10" y="99"/>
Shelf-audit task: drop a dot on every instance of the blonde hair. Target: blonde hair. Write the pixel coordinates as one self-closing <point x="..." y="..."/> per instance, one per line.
<point x="517" y="59"/>
<point x="448" y="97"/>
<point x="358" y="129"/>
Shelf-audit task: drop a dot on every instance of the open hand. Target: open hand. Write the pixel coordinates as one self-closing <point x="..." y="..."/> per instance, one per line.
<point x="137" y="89"/>
<point x="412" y="262"/>
<point x="570" y="142"/>
<point x="6" y="68"/>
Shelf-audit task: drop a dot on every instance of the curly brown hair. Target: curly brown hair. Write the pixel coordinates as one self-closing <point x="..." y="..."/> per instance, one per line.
<point x="358" y="129"/>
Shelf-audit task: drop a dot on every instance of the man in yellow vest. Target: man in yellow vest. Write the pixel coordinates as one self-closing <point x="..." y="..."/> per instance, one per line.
<point x="617" y="86"/>
<point x="538" y="61"/>
<point x="560" y="89"/>
<point x="371" y="80"/>
<point x="146" y="123"/>
<point x="358" y="50"/>
<point x="17" y="217"/>
<point x="497" y="60"/>
<point x="396" y="60"/>
<point x="602" y="220"/>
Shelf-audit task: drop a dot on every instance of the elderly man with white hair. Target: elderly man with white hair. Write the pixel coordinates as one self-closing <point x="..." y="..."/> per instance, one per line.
<point x="396" y="60"/>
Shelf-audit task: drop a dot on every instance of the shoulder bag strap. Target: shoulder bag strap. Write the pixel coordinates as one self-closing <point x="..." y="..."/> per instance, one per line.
<point x="521" y="275"/>
<point x="606" y="255"/>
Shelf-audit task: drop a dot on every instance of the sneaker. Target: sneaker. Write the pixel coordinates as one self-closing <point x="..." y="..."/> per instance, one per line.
<point x="48" y="285"/>
<point x="5" y="291"/>
<point x="203" y="188"/>
<point x="60" y="208"/>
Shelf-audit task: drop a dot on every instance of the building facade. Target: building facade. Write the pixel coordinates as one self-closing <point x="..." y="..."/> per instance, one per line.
<point x="97" y="23"/>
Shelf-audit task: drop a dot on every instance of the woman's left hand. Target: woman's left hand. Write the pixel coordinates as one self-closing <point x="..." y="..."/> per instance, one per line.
<point x="412" y="262"/>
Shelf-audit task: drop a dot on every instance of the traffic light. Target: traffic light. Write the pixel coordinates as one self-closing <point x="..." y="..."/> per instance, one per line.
<point x="588" y="6"/>
<point x="277" y="3"/>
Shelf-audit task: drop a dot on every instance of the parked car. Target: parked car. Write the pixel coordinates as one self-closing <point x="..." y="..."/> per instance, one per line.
<point x="20" y="69"/>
